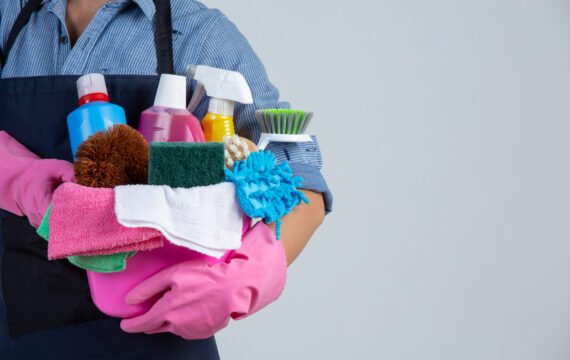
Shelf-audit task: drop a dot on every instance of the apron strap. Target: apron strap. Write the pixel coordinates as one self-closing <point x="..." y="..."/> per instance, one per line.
<point x="31" y="7"/>
<point x="162" y="33"/>
<point x="163" y="37"/>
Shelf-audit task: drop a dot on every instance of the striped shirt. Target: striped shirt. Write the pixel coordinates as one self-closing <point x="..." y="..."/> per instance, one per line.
<point x="120" y="40"/>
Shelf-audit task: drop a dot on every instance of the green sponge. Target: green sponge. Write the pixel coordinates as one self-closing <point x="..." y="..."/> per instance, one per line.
<point x="186" y="165"/>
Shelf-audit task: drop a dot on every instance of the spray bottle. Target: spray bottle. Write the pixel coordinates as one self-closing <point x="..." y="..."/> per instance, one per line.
<point x="225" y="88"/>
<point x="168" y="120"/>
<point x="95" y="112"/>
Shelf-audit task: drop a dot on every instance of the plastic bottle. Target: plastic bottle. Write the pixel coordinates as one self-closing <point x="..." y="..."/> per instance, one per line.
<point x="225" y="89"/>
<point x="219" y="121"/>
<point x="168" y="120"/>
<point x="95" y="112"/>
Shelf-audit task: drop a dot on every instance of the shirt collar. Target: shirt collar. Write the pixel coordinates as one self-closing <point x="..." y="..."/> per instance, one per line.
<point x="147" y="6"/>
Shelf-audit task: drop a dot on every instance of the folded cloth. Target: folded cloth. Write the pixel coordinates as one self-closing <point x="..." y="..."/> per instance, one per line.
<point x="101" y="263"/>
<point x="206" y="219"/>
<point x="83" y="222"/>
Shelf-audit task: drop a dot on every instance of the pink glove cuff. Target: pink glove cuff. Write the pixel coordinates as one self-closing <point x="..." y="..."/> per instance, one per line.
<point x="272" y="279"/>
<point x="28" y="182"/>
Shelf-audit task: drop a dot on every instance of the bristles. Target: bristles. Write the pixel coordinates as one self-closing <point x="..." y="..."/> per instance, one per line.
<point x="283" y="121"/>
<point x="117" y="156"/>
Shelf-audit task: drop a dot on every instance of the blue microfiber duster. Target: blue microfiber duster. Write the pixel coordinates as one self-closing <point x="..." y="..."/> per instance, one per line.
<point x="264" y="189"/>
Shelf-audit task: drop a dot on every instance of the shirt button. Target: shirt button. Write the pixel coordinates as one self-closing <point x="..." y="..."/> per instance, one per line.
<point x="64" y="39"/>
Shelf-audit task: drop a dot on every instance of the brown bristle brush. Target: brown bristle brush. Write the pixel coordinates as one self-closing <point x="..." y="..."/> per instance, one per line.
<point x="117" y="156"/>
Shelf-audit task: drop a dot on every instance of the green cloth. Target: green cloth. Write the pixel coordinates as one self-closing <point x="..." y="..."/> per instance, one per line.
<point x="102" y="264"/>
<point x="43" y="229"/>
<point x="186" y="165"/>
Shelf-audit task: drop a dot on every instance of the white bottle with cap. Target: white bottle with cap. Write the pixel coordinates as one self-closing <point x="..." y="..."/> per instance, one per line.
<point x="169" y="120"/>
<point x="95" y="112"/>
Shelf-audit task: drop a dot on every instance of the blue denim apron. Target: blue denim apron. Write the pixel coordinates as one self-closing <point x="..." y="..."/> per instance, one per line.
<point x="46" y="310"/>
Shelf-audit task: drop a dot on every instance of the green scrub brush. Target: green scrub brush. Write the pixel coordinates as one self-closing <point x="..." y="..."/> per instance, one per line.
<point x="283" y="125"/>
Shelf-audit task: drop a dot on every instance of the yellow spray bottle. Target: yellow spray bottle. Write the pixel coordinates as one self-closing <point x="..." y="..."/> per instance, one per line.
<point x="225" y="88"/>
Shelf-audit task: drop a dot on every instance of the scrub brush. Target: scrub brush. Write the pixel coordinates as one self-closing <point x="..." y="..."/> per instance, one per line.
<point x="283" y="125"/>
<point x="116" y="156"/>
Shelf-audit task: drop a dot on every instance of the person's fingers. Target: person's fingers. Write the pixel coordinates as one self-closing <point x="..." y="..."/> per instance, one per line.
<point x="206" y="330"/>
<point x="166" y="327"/>
<point x="152" y="286"/>
<point x="189" y="275"/>
<point x="65" y="173"/>
<point x="197" y="329"/>
<point x="68" y="176"/>
<point x="149" y="321"/>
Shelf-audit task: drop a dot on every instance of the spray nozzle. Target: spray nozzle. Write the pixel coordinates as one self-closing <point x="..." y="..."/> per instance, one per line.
<point x="227" y="86"/>
<point x="198" y="92"/>
<point x="191" y="71"/>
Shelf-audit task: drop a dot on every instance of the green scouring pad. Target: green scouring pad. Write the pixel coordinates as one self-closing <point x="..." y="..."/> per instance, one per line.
<point x="186" y="165"/>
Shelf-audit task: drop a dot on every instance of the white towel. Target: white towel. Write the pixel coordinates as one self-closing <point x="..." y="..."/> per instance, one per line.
<point x="206" y="219"/>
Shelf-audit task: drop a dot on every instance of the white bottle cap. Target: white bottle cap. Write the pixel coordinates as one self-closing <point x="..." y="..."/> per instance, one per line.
<point x="91" y="84"/>
<point x="171" y="92"/>
<point x="221" y="107"/>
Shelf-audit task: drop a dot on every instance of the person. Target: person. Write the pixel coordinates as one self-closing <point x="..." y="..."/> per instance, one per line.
<point x="45" y="307"/>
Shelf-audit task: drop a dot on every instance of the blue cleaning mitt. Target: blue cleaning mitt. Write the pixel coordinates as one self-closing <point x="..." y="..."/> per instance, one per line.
<point x="266" y="190"/>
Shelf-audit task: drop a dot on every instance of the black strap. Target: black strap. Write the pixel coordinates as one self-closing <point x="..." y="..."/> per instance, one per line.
<point x="21" y="21"/>
<point x="163" y="37"/>
<point x="162" y="33"/>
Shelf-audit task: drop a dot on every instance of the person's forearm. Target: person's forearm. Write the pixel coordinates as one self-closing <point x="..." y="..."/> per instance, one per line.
<point x="299" y="226"/>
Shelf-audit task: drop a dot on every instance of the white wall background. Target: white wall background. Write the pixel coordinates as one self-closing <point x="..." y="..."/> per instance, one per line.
<point x="445" y="127"/>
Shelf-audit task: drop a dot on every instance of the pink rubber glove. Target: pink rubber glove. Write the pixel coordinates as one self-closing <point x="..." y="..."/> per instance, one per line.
<point x="26" y="181"/>
<point x="199" y="299"/>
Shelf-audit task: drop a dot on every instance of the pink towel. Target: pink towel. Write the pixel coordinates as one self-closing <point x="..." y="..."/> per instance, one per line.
<point x="83" y="222"/>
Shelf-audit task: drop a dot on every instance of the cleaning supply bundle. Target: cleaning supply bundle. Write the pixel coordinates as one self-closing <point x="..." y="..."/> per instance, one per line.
<point x="95" y="112"/>
<point x="145" y="202"/>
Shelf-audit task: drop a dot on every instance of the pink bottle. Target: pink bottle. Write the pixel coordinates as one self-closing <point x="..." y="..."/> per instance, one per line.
<point x="168" y="120"/>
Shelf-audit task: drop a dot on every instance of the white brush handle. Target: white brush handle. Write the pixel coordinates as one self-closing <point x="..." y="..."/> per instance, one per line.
<point x="266" y="138"/>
